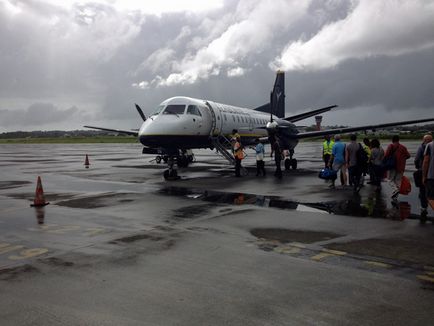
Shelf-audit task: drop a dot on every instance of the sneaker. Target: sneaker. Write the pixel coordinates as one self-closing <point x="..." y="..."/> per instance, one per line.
<point x="395" y="194"/>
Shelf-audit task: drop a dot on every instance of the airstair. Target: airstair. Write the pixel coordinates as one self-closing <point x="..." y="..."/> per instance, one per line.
<point x="221" y="144"/>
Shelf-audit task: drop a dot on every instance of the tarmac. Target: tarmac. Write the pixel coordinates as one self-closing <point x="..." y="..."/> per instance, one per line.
<point x="119" y="245"/>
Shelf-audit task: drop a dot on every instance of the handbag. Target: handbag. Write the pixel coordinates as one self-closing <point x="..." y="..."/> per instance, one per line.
<point x="417" y="176"/>
<point x="405" y="188"/>
<point x="327" y="174"/>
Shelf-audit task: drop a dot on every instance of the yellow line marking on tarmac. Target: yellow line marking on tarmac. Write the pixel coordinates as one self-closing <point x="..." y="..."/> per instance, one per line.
<point x="430" y="273"/>
<point x="2" y="245"/>
<point x="377" y="264"/>
<point x="328" y="253"/>
<point x="10" y="248"/>
<point x="425" y="278"/>
<point x="297" y="244"/>
<point x="335" y="252"/>
<point x="287" y="250"/>
<point x="29" y="253"/>
<point x="321" y="256"/>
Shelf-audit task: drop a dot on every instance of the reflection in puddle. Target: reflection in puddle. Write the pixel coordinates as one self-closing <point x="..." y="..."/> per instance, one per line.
<point x="40" y="214"/>
<point x="374" y="205"/>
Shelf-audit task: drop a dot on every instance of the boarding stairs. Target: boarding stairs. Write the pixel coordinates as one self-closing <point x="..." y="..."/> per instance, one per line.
<point x="221" y="144"/>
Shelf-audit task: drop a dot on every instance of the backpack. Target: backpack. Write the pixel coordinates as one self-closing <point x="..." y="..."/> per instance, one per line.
<point x="362" y="159"/>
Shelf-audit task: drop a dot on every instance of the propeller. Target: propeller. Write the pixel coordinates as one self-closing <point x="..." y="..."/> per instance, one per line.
<point x="140" y="112"/>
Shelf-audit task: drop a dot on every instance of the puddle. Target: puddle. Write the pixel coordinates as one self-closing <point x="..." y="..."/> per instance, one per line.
<point x="13" y="184"/>
<point x="191" y="212"/>
<point x="372" y="206"/>
<point x="414" y="250"/>
<point x="287" y="236"/>
<point x="97" y="201"/>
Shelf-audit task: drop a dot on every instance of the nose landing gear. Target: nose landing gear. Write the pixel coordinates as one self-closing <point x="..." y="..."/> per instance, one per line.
<point x="182" y="159"/>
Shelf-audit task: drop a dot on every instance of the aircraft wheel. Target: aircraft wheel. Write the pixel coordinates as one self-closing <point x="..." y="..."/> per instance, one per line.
<point x="170" y="174"/>
<point x="158" y="159"/>
<point x="287" y="164"/>
<point x="294" y="164"/>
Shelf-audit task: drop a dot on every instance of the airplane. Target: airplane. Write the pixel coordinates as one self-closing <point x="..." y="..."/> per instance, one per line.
<point x="180" y="124"/>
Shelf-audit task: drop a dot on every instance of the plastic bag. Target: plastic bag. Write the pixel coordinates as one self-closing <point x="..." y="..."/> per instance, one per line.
<point x="405" y="188"/>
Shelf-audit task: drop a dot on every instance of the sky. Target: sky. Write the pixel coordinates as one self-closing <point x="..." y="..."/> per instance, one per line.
<point x="65" y="64"/>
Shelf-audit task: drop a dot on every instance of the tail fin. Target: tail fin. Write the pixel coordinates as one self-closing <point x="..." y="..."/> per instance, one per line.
<point x="277" y="97"/>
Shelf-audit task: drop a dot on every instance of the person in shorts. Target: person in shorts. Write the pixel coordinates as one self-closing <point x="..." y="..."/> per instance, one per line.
<point x="337" y="161"/>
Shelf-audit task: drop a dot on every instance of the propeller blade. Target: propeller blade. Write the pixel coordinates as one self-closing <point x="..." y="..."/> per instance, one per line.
<point x="140" y="112"/>
<point x="271" y="107"/>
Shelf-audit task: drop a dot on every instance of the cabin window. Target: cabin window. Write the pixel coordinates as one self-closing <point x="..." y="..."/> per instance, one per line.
<point x="174" y="109"/>
<point x="238" y="118"/>
<point x="193" y="109"/>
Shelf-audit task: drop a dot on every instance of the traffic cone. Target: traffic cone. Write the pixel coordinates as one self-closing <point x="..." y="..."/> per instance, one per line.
<point x="39" y="196"/>
<point x="86" y="162"/>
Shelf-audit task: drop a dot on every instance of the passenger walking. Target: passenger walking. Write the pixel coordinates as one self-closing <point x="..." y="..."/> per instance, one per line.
<point x="277" y="158"/>
<point x="327" y="147"/>
<point x="401" y="155"/>
<point x="428" y="172"/>
<point x="238" y="155"/>
<point x="337" y="161"/>
<point x="260" y="152"/>
<point x="353" y="164"/>
<point x="418" y="162"/>
<point x="367" y="148"/>
<point x="376" y="163"/>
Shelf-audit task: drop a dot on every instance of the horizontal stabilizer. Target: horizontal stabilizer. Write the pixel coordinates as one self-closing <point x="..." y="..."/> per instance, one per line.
<point x="312" y="134"/>
<point x="309" y="114"/>
<point x="133" y="133"/>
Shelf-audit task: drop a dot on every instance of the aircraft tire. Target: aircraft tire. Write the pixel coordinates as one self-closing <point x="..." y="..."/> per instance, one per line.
<point x="158" y="159"/>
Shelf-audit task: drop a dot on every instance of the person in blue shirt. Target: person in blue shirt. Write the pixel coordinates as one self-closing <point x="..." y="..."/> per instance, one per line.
<point x="260" y="152"/>
<point x="337" y="160"/>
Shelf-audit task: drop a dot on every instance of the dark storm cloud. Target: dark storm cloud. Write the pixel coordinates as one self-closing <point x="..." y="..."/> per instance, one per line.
<point x="39" y="114"/>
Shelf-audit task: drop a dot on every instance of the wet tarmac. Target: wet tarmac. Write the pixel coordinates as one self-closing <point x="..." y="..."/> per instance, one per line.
<point x="119" y="245"/>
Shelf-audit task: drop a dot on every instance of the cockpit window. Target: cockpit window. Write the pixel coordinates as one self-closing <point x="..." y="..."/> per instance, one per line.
<point x="158" y="110"/>
<point x="193" y="109"/>
<point x="174" y="109"/>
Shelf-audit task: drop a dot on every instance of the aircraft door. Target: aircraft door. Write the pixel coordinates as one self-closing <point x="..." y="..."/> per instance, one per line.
<point x="194" y="114"/>
<point x="250" y="123"/>
<point x="216" y="119"/>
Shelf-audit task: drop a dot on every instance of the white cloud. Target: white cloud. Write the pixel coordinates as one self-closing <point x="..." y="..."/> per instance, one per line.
<point x="373" y="28"/>
<point x="250" y="30"/>
<point x="145" y="6"/>
<point x="141" y="85"/>
<point x="236" y="72"/>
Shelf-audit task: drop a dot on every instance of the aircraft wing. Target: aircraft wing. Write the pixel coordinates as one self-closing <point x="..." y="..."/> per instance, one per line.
<point x="308" y="114"/>
<point x="133" y="133"/>
<point x="353" y="129"/>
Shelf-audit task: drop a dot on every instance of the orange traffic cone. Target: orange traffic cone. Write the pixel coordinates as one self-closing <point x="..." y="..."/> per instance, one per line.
<point x="86" y="162"/>
<point x="39" y="196"/>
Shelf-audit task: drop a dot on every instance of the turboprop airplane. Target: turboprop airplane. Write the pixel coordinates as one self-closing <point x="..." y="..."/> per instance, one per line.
<point x="180" y="124"/>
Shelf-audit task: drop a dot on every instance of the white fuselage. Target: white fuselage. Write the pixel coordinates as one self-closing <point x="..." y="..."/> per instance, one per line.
<point x="183" y="122"/>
